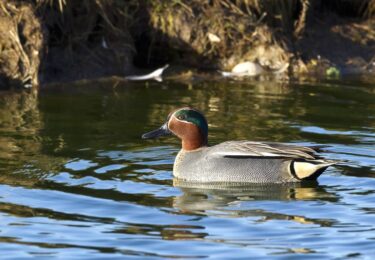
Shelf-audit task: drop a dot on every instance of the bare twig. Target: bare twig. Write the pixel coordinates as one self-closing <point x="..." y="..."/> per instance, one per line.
<point x="301" y="22"/>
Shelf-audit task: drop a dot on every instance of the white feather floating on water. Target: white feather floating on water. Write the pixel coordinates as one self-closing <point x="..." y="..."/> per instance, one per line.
<point x="250" y="68"/>
<point x="156" y="75"/>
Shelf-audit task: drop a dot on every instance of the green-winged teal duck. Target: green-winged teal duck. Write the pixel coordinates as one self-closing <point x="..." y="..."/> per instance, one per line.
<point x="235" y="161"/>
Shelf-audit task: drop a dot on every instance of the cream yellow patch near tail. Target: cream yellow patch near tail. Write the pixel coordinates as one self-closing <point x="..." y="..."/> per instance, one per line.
<point x="307" y="169"/>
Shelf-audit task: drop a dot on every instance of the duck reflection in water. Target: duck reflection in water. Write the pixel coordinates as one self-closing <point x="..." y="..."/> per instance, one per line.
<point x="232" y="199"/>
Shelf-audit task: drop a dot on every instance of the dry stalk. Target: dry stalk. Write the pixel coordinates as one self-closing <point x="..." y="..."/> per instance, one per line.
<point x="301" y="22"/>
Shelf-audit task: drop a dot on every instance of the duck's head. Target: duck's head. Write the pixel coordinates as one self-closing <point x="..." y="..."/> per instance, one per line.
<point x="186" y="123"/>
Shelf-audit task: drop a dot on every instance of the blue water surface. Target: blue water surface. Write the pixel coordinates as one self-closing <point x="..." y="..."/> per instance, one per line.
<point x="78" y="182"/>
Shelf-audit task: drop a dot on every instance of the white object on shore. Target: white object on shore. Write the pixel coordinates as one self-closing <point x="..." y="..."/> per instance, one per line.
<point x="156" y="75"/>
<point x="213" y="37"/>
<point x="250" y="68"/>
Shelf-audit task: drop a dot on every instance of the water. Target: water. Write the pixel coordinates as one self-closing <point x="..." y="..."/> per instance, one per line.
<point x="77" y="182"/>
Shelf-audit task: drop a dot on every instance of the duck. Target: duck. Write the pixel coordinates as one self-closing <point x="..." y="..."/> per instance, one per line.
<point x="239" y="161"/>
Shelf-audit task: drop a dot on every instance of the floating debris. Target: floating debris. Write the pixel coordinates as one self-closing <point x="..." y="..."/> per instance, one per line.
<point x="155" y="75"/>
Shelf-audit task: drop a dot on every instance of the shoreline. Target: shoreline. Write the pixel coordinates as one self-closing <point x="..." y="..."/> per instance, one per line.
<point x="47" y="43"/>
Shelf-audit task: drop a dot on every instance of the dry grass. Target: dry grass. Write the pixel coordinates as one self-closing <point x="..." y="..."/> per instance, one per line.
<point x="241" y="25"/>
<point x="21" y="43"/>
<point x="368" y="9"/>
<point x="74" y="22"/>
<point x="78" y="23"/>
<point x="175" y="26"/>
<point x="93" y="34"/>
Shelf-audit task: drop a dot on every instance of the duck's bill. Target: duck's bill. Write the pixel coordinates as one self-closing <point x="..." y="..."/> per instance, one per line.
<point x="163" y="130"/>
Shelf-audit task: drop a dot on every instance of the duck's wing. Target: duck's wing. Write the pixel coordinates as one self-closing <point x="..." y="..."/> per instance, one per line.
<point x="305" y="162"/>
<point x="241" y="149"/>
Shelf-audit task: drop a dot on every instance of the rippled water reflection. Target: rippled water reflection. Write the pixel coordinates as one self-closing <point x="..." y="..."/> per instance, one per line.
<point x="76" y="180"/>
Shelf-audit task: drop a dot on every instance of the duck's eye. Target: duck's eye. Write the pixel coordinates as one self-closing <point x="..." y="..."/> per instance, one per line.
<point x="181" y="117"/>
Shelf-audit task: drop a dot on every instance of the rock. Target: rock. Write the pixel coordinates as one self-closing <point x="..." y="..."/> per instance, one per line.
<point x="250" y="68"/>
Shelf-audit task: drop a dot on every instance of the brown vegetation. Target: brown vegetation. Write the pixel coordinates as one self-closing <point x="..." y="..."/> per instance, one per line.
<point x="86" y="39"/>
<point x="313" y="36"/>
<point x="21" y="44"/>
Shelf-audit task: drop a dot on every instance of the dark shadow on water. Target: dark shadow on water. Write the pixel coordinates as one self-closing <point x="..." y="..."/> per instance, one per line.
<point x="258" y="191"/>
<point x="223" y="199"/>
<point x="21" y="146"/>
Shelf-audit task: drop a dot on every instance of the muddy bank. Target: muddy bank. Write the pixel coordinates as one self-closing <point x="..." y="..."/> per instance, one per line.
<point x="61" y="41"/>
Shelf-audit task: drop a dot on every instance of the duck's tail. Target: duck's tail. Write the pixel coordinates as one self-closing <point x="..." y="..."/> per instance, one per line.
<point x="310" y="169"/>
